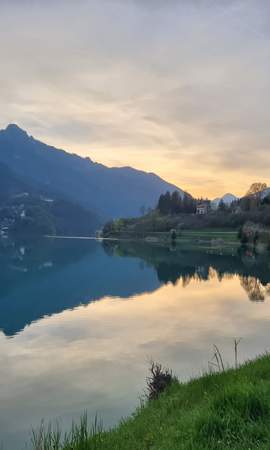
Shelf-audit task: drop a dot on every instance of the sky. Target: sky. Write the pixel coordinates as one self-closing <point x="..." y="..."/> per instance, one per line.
<point x="177" y="87"/>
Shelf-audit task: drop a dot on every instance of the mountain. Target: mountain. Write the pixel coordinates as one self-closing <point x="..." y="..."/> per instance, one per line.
<point x="10" y="184"/>
<point x="109" y="192"/>
<point x="227" y="199"/>
<point x="57" y="215"/>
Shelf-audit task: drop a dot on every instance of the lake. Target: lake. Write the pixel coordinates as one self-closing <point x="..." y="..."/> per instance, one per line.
<point x="81" y="319"/>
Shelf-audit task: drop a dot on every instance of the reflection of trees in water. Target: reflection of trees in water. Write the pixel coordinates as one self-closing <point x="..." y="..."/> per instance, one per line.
<point x="254" y="288"/>
<point x="221" y="276"/>
<point x="172" y="273"/>
<point x="186" y="280"/>
<point x="183" y="266"/>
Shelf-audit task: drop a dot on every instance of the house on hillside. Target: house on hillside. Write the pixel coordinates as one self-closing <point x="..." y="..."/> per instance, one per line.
<point x="203" y="208"/>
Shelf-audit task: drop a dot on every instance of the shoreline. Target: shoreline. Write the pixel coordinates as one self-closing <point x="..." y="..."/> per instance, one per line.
<point x="225" y="409"/>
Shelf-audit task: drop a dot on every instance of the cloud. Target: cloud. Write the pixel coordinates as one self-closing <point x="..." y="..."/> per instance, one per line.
<point x="177" y="82"/>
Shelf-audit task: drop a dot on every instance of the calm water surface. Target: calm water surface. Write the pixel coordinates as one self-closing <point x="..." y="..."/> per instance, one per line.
<point x="80" y="320"/>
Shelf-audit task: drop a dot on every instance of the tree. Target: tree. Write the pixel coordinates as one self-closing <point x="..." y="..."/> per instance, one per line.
<point x="256" y="188"/>
<point x="176" y="202"/>
<point x="108" y="228"/>
<point x="222" y="206"/>
<point x="161" y="204"/>
<point x="164" y="203"/>
<point x="245" y="203"/>
<point x="266" y="200"/>
<point x="189" y="204"/>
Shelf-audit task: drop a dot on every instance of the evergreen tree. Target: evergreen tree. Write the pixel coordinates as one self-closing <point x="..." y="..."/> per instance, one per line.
<point x="176" y="203"/>
<point x="167" y="203"/>
<point x="164" y="204"/>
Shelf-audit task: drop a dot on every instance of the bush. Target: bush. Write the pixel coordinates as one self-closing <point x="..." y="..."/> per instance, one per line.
<point x="158" y="381"/>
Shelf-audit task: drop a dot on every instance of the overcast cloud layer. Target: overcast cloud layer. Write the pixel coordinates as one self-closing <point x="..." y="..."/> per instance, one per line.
<point x="181" y="88"/>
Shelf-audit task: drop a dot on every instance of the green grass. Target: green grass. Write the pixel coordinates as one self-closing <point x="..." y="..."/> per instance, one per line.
<point x="203" y="235"/>
<point x="206" y="234"/>
<point x="228" y="410"/>
<point x="225" y="241"/>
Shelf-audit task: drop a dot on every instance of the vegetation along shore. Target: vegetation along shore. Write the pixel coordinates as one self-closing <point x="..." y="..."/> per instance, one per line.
<point x="179" y="218"/>
<point x="228" y="409"/>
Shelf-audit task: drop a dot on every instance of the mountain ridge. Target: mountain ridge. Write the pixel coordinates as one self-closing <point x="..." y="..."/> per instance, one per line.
<point x="108" y="191"/>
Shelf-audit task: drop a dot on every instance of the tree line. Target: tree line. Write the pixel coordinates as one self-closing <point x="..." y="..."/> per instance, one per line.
<point x="175" y="203"/>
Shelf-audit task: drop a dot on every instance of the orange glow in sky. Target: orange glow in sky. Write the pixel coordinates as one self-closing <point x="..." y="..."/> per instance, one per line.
<point x="181" y="89"/>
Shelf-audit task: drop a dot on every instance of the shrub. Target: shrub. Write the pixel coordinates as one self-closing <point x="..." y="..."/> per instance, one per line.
<point x="158" y="381"/>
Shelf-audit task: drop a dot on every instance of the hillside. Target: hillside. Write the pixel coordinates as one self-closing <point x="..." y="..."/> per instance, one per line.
<point x="109" y="192"/>
<point x="174" y="215"/>
<point x="28" y="210"/>
<point x="10" y="184"/>
<point x="228" y="410"/>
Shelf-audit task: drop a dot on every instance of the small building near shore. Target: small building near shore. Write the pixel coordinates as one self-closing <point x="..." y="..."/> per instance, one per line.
<point x="203" y="208"/>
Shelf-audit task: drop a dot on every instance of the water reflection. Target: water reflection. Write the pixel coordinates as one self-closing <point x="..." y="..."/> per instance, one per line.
<point x="175" y="265"/>
<point x="86" y="317"/>
<point x="256" y="291"/>
<point x="39" y="280"/>
<point x="62" y="274"/>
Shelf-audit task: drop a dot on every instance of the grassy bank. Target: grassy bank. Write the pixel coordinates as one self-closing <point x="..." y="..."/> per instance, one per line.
<point x="228" y="410"/>
<point x="213" y="237"/>
<point x="225" y="240"/>
<point x="205" y="234"/>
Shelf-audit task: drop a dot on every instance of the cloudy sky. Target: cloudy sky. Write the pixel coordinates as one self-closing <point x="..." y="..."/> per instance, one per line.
<point x="177" y="87"/>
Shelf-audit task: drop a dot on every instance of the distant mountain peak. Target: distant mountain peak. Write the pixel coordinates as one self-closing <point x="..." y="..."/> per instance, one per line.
<point x="227" y="198"/>
<point x="15" y="131"/>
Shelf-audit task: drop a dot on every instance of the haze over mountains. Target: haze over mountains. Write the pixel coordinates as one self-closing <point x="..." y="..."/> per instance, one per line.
<point x="107" y="192"/>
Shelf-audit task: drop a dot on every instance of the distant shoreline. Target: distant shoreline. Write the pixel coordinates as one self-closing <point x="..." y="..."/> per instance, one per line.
<point x="92" y="238"/>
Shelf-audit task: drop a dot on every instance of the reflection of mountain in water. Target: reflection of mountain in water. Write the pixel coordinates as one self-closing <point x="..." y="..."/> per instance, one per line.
<point x="63" y="274"/>
<point x="48" y="278"/>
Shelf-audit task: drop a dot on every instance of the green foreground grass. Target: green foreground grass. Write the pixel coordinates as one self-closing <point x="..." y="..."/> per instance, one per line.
<point x="228" y="410"/>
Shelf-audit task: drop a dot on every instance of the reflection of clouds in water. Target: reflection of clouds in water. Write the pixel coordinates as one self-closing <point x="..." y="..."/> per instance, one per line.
<point x="95" y="357"/>
<point x="71" y="275"/>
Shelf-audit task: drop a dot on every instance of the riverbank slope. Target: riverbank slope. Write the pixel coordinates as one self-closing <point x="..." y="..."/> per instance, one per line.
<point x="217" y="411"/>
